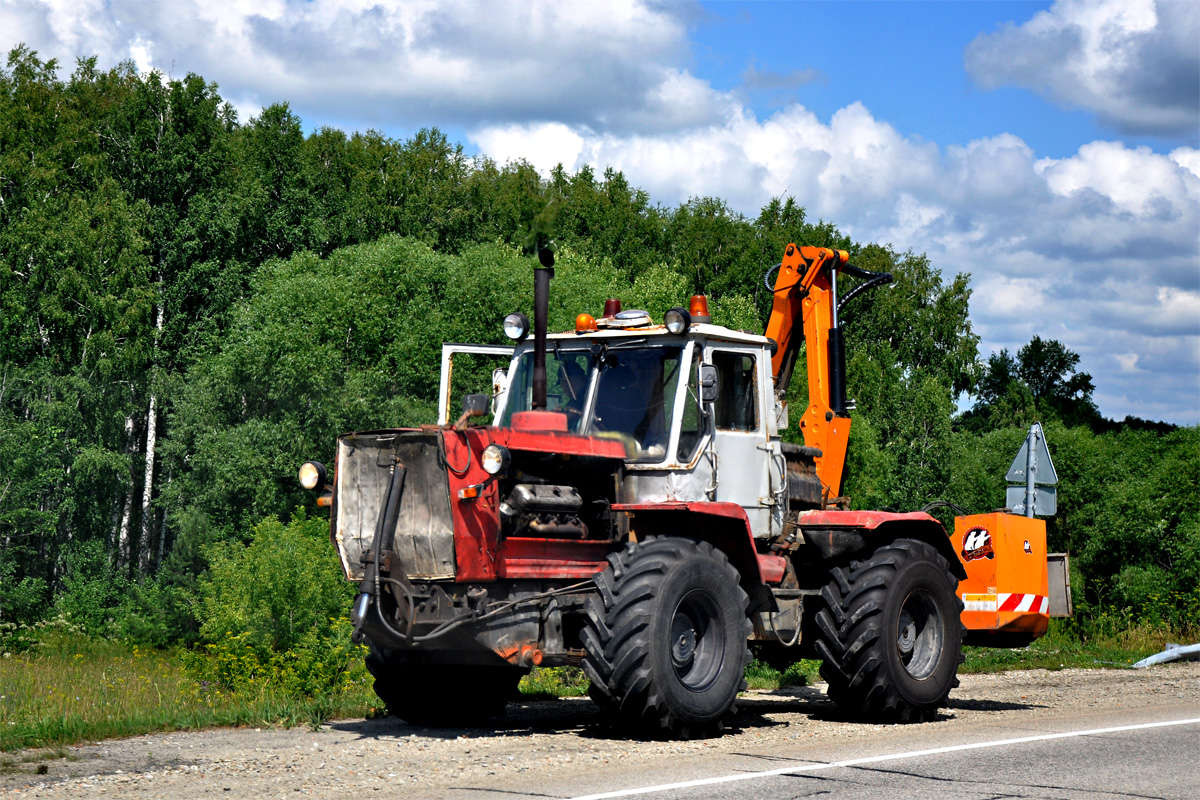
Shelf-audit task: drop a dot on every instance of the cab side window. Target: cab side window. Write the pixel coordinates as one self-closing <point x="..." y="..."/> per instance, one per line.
<point x="736" y="407"/>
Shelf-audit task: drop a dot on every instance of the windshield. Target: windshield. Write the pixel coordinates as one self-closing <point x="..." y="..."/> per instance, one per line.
<point x="568" y="379"/>
<point x="625" y="393"/>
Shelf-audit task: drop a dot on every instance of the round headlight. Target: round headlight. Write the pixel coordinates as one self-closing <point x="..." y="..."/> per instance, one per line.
<point x="677" y="320"/>
<point x="312" y="474"/>
<point x="494" y="459"/>
<point x="516" y="326"/>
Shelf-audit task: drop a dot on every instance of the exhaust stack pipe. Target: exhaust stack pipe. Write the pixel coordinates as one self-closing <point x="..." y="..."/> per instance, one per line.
<point x="541" y="310"/>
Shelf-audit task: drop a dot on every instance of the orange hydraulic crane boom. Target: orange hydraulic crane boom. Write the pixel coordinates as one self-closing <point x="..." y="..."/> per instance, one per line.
<point x="806" y="289"/>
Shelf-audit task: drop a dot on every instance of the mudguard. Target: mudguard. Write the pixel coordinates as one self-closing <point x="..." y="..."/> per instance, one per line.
<point x="846" y="534"/>
<point x="726" y="527"/>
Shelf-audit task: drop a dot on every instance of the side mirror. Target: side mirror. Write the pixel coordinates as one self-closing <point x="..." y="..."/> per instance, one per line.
<point x="708" y="383"/>
<point x="499" y="380"/>
<point x="475" y="405"/>
<point x="499" y="386"/>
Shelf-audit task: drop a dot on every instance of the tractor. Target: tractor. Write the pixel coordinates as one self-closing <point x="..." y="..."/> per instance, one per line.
<point x="631" y="509"/>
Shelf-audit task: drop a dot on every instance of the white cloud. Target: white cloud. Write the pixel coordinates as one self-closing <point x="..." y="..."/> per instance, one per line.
<point x="1188" y="158"/>
<point x="610" y="65"/>
<point x="1135" y="63"/>
<point x="544" y="146"/>
<point x="1137" y="181"/>
<point x="1099" y="250"/>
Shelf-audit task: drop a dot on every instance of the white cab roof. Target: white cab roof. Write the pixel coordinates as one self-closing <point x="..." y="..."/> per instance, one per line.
<point x="715" y="332"/>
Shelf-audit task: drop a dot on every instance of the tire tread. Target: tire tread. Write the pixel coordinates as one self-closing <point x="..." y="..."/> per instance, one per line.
<point x="850" y="628"/>
<point x="616" y="642"/>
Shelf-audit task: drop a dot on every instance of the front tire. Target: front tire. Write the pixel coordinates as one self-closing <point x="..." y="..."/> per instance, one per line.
<point x="665" y="638"/>
<point x="890" y="634"/>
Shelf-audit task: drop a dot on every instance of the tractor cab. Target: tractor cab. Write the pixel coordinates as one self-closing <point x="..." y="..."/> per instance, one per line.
<point x="692" y="404"/>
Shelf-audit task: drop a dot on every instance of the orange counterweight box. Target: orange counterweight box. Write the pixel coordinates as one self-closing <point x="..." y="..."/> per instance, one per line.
<point x="1005" y="594"/>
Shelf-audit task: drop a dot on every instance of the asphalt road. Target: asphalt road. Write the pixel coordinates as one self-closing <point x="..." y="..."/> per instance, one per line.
<point x="1147" y="753"/>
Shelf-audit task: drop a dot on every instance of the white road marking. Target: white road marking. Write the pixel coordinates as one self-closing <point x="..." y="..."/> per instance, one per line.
<point x="854" y="762"/>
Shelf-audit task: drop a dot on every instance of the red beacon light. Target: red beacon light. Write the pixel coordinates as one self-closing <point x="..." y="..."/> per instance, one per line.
<point x="612" y="307"/>
<point x="585" y="323"/>
<point x="698" y="308"/>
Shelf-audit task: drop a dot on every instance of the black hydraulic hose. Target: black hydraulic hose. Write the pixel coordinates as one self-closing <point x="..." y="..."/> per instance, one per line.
<point x="412" y="606"/>
<point x="463" y="619"/>
<point x="873" y="279"/>
<point x="386" y="525"/>
<point x="936" y="504"/>
<point x="406" y="636"/>
<point x="859" y="272"/>
<point x="444" y="460"/>
<point x="767" y="277"/>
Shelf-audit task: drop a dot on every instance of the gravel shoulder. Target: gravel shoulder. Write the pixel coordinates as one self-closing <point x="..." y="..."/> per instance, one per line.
<point x="549" y="742"/>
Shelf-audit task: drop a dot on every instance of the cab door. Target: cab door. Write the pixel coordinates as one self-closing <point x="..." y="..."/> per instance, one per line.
<point x="740" y="438"/>
<point x="472" y="369"/>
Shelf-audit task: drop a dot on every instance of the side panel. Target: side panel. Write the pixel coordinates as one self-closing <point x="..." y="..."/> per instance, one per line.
<point x="1005" y="590"/>
<point x="553" y="558"/>
<point x="476" y="522"/>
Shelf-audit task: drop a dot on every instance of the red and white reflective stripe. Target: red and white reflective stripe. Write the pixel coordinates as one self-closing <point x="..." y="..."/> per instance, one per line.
<point x="1022" y="603"/>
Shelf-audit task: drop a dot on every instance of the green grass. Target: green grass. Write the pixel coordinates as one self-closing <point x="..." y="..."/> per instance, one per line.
<point x="547" y="683"/>
<point x="762" y="676"/>
<point x="1067" y="646"/>
<point x="69" y="688"/>
<point x="553" y="682"/>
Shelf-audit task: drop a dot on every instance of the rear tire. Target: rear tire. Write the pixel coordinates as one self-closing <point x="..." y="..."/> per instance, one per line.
<point x="442" y="695"/>
<point x="665" y="638"/>
<point x="890" y="634"/>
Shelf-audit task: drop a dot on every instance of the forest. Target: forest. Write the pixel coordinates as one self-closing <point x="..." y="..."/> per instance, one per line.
<point x="192" y="304"/>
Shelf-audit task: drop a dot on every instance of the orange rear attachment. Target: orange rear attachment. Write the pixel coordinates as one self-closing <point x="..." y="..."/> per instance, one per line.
<point x="1005" y="594"/>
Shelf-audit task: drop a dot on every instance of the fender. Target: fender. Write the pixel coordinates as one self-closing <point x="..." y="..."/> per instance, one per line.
<point x="723" y="525"/>
<point x="840" y="534"/>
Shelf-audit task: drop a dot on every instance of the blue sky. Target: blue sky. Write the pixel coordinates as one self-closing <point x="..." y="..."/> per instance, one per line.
<point x="1049" y="149"/>
<point x="904" y="61"/>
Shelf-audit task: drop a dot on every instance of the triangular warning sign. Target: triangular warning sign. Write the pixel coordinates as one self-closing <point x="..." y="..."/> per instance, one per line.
<point x="1044" y="474"/>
